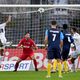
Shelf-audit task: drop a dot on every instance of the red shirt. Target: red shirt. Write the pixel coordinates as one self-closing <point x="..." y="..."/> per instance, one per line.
<point x="28" y="43"/>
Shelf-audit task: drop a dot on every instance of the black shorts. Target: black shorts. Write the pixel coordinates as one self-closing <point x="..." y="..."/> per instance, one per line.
<point x="65" y="53"/>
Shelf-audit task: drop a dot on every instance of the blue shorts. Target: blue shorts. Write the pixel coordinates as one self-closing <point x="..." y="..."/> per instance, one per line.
<point x="65" y="53"/>
<point x="54" y="54"/>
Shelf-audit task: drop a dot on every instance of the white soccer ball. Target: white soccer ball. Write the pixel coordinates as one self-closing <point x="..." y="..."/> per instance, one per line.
<point x="72" y="45"/>
<point x="41" y="10"/>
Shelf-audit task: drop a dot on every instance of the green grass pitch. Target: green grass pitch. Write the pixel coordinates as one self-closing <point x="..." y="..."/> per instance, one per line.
<point x="40" y="75"/>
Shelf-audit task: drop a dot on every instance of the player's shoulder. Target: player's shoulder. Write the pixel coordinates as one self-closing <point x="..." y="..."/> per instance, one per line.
<point x="66" y="32"/>
<point x="31" y="40"/>
<point x="54" y="30"/>
<point x="76" y="34"/>
<point x="23" y="39"/>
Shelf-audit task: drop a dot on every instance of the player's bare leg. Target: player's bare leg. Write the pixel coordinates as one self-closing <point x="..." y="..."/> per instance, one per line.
<point x="17" y="64"/>
<point x="1" y="56"/>
<point x="1" y="52"/>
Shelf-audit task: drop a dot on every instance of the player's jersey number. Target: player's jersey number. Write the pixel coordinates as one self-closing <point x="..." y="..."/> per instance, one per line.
<point x="69" y="40"/>
<point x="54" y="37"/>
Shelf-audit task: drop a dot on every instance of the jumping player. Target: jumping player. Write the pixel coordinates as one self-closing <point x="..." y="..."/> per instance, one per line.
<point x="28" y="45"/>
<point x="54" y="39"/>
<point x="3" y="40"/>
<point x="66" y="46"/>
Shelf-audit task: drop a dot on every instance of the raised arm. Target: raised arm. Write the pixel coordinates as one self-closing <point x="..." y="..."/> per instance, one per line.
<point x="9" y="19"/>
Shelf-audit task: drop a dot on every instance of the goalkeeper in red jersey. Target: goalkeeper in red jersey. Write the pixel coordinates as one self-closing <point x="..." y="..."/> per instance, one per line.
<point x="28" y="46"/>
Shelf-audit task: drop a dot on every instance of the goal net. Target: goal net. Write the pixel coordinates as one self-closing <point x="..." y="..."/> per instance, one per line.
<point x="30" y="19"/>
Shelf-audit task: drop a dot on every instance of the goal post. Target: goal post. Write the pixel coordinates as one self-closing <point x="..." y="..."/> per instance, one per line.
<point x="31" y="19"/>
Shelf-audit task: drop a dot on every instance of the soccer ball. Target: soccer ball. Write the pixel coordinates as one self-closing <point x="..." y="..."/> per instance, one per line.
<point x="41" y="10"/>
<point x="72" y="45"/>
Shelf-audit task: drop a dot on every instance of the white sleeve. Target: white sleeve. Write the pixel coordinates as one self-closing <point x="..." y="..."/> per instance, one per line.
<point x="76" y="37"/>
<point x="3" y="24"/>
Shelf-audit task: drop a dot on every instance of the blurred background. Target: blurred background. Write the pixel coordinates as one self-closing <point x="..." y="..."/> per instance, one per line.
<point x="39" y="1"/>
<point x="28" y="19"/>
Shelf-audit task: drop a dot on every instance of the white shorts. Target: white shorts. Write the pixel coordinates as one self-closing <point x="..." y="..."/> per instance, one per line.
<point x="3" y="40"/>
<point x="74" y="54"/>
<point x="78" y="49"/>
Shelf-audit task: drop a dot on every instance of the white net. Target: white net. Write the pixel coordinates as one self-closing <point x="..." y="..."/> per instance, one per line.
<point x="29" y="19"/>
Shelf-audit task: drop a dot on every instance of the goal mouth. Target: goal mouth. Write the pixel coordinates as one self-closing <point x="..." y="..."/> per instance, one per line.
<point x="27" y="18"/>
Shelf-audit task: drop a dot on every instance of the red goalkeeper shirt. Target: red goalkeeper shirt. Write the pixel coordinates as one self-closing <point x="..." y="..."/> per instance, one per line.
<point x="28" y="43"/>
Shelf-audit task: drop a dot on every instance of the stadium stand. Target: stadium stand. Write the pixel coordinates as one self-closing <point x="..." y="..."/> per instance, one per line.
<point x="39" y="1"/>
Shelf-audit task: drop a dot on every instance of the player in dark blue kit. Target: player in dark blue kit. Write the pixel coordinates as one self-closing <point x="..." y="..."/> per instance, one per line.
<point x="54" y="39"/>
<point x="66" y="46"/>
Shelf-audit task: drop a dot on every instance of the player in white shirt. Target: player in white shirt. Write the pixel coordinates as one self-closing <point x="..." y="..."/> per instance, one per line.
<point x="3" y="40"/>
<point x="76" y="37"/>
<point x="73" y="56"/>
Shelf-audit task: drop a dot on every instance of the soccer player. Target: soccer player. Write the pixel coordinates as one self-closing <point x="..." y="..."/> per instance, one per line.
<point x="54" y="39"/>
<point x="76" y="37"/>
<point x="28" y="45"/>
<point x="3" y="40"/>
<point x="66" y="46"/>
<point x="73" y="56"/>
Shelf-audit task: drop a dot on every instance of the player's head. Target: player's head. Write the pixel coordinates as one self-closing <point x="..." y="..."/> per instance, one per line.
<point x="27" y="36"/>
<point x="65" y="26"/>
<point x="73" y="30"/>
<point x="53" y="24"/>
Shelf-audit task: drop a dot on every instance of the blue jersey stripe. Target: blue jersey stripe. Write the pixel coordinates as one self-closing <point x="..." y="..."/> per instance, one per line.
<point x="61" y="36"/>
<point x="46" y="33"/>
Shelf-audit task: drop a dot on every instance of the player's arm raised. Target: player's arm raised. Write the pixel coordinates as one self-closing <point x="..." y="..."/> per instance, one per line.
<point x="9" y="19"/>
<point x="5" y="23"/>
